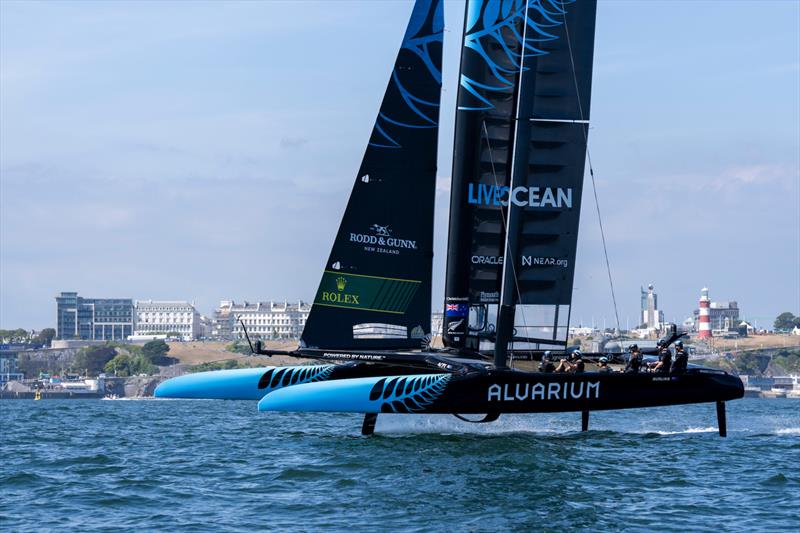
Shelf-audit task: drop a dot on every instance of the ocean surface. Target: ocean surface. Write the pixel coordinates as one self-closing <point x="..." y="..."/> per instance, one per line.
<point x="198" y="465"/>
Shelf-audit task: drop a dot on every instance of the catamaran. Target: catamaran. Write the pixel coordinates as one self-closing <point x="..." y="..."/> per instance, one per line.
<point x="519" y="159"/>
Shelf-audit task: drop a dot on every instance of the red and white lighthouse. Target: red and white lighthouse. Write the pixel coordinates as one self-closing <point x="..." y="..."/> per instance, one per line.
<point x="704" y="322"/>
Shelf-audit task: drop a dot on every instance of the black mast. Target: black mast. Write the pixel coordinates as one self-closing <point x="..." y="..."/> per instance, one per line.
<point x="457" y="276"/>
<point x="519" y="172"/>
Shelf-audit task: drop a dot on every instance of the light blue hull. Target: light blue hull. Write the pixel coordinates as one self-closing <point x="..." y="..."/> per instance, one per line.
<point x="240" y="384"/>
<point x="358" y="395"/>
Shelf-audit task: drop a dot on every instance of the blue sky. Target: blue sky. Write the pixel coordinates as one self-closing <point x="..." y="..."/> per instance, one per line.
<point x="205" y="150"/>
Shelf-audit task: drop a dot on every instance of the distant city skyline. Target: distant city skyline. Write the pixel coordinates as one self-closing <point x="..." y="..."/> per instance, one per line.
<point x="205" y="151"/>
<point x="598" y="322"/>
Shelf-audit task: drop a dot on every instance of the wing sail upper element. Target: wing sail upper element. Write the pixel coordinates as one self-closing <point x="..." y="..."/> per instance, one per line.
<point x="526" y="72"/>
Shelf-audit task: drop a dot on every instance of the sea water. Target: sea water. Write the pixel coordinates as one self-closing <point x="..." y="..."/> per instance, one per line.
<point x="197" y="465"/>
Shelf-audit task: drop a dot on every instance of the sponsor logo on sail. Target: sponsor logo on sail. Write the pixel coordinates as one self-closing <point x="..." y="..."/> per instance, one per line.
<point x="487" y="259"/>
<point x="489" y="297"/>
<point x="555" y="197"/>
<point x="525" y="260"/>
<point x="338" y="296"/>
<point x="570" y="390"/>
<point x="381" y="240"/>
<point x="531" y="260"/>
<point x="367" y="293"/>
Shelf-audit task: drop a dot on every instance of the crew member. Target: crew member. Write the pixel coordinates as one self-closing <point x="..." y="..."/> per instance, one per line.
<point x="602" y="366"/>
<point x="547" y="363"/>
<point x="634" y="361"/>
<point x="681" y="359"/>
<point x="574" y="365"/>
<point x="664" y="363"/>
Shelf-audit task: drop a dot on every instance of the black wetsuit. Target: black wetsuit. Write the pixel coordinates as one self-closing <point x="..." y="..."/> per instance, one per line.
<point x="604" y="370"/>
<point x="579" y="366"/>
<point x="666" y="362"/>
<point x="634" y="363"/>
<point x="547" y="367"/>
<point x="681" y="362"/>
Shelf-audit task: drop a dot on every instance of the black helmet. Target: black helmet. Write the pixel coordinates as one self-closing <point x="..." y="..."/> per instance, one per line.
<point x="679" y="344"/>
<point x="546" y="356"/>
<point x="633" y="347"/>
<point x="577" y="354"/>
<point x="604" y="360"/>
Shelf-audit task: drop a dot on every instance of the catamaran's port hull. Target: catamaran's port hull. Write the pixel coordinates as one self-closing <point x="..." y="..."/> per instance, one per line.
<point x="504" y="391"/>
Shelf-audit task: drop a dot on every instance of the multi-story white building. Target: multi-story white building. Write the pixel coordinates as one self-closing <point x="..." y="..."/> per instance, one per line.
<point x="266" y="320"/>
<point x="154" y="318"/>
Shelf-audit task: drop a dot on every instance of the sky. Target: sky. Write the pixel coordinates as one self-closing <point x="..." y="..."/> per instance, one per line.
<point x="204" y="151"/>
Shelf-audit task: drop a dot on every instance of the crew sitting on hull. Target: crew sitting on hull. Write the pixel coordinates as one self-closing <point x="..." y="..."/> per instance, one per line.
<point x="634" y="361"/>
<point x="547" y="363"/>
<point x="681" y="359"/>
<point x="602" y="366"/>
<point x="664" y="363"/>
<point x="574" y="365"/>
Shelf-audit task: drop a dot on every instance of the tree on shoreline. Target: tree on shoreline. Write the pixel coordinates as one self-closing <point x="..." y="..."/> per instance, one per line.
<point x="786" y="321"/>
<point x="93" y="359"/>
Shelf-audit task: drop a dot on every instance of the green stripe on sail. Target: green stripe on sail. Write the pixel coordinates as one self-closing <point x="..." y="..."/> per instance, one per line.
<point x="367" y="293"/>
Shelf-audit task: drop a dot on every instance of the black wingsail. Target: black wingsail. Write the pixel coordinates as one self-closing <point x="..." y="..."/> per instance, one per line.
<point x="520" y="146"/>
<point x="375" y="291"/>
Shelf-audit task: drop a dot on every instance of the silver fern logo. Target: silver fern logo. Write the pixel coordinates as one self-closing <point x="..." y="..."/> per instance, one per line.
<point x="408" y="394"/>
<point x="452" y="327"/>
<point x="277" y="378"/>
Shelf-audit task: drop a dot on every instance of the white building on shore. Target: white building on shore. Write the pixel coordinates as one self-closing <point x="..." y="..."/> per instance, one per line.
<point x="266" y="320"/>
<point x="166" y="317"/>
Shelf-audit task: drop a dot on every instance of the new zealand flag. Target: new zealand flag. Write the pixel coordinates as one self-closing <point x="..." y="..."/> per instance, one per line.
<point x="457" y="309"/>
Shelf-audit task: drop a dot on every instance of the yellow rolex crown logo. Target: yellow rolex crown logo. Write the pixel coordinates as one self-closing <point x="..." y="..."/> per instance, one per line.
<point x="340" y="283"/>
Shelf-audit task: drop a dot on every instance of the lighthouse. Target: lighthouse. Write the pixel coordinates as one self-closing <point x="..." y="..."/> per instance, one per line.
<point x="704" y="324"/>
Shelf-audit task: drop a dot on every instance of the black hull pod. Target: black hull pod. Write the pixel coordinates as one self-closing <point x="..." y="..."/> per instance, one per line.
<point x="503" y="391"/>
<point x="509" y="391"/>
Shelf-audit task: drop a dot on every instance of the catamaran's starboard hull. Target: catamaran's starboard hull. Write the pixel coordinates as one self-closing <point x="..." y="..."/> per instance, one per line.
<point x="254" y="383"/>
<point x="504" y="391"/>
